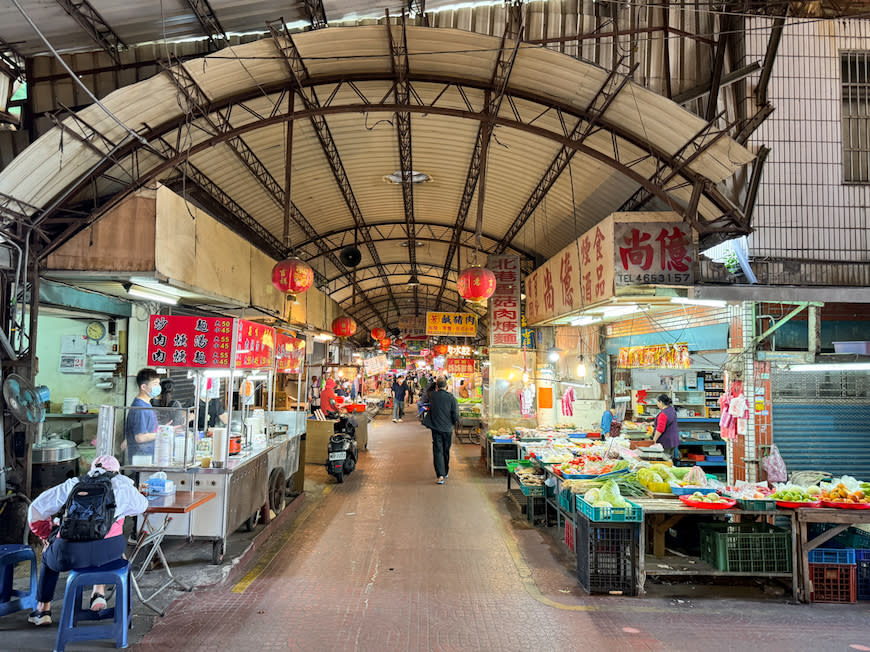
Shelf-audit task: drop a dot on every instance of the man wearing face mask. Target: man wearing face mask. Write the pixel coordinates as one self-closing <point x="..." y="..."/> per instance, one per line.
<point x="140" y="429"/>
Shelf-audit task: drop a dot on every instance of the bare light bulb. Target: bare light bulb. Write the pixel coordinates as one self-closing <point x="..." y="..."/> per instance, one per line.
<point x="581" y="370"/>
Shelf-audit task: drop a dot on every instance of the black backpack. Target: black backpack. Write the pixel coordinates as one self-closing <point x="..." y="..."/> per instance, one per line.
<point x="89" y="510"/>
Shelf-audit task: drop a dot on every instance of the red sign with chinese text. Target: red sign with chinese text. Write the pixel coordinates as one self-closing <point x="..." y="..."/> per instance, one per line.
<point x="289" y="352"/>
<point x="653" y="253"/>
<point x="504" y="305"/>
<point x="460" y="366"/>
<point x="255" y="345"/>
<point x="179" y="341"/>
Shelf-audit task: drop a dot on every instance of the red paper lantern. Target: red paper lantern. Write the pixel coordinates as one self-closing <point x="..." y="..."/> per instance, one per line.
<point x="476" y="284"/>
<point x="385" y="344"/>
<point x="441" y="349"/>
<point x="378" y="333"/>
<point x="292" y="276"/>
<point x="343" y="326"/>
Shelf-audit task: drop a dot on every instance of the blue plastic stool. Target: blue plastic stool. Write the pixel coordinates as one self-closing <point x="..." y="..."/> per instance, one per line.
<point x="117" y="573"/>
<point x="12" y="600"/>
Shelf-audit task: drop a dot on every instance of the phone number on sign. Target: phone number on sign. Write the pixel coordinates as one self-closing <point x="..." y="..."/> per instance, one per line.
<point x="675" y="277"/>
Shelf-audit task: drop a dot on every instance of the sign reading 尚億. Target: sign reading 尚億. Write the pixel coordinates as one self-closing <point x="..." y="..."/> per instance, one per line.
<point x="458" y="324"/>
<point x="504" y="305"/>
<point x="653" y="253"/>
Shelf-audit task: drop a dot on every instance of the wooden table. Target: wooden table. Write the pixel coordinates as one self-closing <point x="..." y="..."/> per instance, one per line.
<point x="840" y="518"/>
<point x="661" y="514"/>
<point x="151" y="535"/>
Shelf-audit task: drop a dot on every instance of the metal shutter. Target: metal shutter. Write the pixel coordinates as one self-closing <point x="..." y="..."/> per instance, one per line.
<point x="821" y="421"/>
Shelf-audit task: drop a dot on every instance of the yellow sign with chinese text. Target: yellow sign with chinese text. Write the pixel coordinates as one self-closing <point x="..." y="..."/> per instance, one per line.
<point x="457" y="324"/>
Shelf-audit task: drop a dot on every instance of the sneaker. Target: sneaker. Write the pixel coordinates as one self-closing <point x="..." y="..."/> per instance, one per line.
<point x="39" y="618"/>
<point x="394" y="421"/>
<point x="440" y="480"/>
<point x="98" y="602"/>
<point x="400" y="421"/>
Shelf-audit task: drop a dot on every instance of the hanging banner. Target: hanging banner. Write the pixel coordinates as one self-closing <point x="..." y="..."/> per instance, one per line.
<point x="255" y="345"/>
<point x="376" y="365"/>
<point x="415" y="325"/>
<point x="460" y="366"/>
<point x="289" y="352"/>
<point x="653" y="253"/>
<point x="672" y="356"/>
<point x="504" y="305"/>
<point x="457" y="324"/>
<point x="179" y="341"/>
<point x="596" y="263"/>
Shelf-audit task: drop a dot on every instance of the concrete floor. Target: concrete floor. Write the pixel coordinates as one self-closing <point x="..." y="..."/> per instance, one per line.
<point x="391" y="561"/>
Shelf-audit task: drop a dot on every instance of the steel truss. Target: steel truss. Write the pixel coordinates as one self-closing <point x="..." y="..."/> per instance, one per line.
<point x="211" y="26"/>
<point x="93" y="24"/>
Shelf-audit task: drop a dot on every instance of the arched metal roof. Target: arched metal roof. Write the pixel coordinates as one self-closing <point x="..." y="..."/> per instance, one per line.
<point x="564" y="144"/>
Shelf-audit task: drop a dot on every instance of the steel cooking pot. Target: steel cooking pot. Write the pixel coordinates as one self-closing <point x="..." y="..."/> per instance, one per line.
<point x="52" y="451"/>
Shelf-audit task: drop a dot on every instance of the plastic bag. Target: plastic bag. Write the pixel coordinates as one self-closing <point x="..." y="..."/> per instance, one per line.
<point x="696" y="477"/>
<point x="774" y="466"/>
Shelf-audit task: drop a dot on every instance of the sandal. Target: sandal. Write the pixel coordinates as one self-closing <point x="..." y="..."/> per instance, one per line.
<point x="98" y="602"/>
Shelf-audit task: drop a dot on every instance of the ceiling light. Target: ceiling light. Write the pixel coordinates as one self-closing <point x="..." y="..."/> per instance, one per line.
<point x="621" y="311"/>
<point x="413" y="281"/>
<point x="581" y="370"/>
<point x="713" y="303"/>
<point x="553" y="356"/>
<point x="417" y="243"/>
<point x="833" y="366"/>
<point x="151" y="295"/>
<point x="416" y="177"/>
<point x="585" y="321"/>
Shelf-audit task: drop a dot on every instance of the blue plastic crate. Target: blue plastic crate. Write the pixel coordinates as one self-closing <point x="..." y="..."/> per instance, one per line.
<point x="862" y="559"/>
<point x="631" y="513"/>
<point x="715" y="458"/>
<point x="831" y="556"/>
<point x="582" y="476"/>
<point x="688" y="491"/>
<point x="532" y="490"/>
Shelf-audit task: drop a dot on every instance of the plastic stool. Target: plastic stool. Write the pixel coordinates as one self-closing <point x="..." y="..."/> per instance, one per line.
<point x="117" y="573"/>
<point x="12" y="600"/>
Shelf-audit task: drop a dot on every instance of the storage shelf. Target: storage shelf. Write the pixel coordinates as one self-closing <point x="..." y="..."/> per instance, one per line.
<point x="701" y="442"/>
<point x="700" y="463"/>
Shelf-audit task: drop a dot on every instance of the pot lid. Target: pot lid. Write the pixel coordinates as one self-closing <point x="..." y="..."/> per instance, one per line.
<point x="55" y="444"/>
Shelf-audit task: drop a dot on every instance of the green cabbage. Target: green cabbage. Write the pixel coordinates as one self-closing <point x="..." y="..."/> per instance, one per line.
<point x="610" y="493"/>
<point x="591" y="496"/>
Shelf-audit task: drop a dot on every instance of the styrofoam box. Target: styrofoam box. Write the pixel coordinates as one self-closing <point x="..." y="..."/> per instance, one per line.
<point x="861" y="347"/>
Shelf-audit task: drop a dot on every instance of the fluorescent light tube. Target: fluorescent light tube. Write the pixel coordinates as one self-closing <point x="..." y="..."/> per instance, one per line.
<point x="585" y="321"/>
<point x="142" y="293"/>
<point x="833" y="366"/>
<point x="712" y="303"/>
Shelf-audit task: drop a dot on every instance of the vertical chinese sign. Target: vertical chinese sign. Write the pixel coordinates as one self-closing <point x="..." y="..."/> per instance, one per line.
<point x="177" y="341"/>
<point x="541" y="291"/>
<point x="289" y="352"/>
<point x="653" y="253"/>
<point x="255" y="345"/>
<point x="596" y="263"/>
<point x="504" y="305"/>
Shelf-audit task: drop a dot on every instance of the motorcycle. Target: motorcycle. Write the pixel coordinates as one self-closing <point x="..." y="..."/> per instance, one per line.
<point x="343" y="450"/>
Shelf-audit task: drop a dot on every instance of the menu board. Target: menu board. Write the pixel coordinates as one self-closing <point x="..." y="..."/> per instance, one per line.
<point x="255" y="345"/>
<point x="458" y="324"/>
<point x="460" y="366"/>
<point x="504" y="305"/>
<point x="289" y="352"/>
<point x="180" y="341"/>
<point x="376" y="365"/>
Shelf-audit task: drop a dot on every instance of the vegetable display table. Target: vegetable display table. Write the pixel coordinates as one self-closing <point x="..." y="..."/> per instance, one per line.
<point x="839" y="518"/>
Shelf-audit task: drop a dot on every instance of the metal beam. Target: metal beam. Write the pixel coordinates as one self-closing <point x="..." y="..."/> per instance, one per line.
<point x="209" y="22"/>
<point x="197" y="102"/>
<point x="493" y="100"/>
<point x="594" y="113"/>
<point x="12" y="59"/>
<point x="701" y="90"/>
<point x="402" y="93"/>
<point x="754" y="182"/>
<point x="417" y="10"/>
<point x="298" y="72"/>
<point x="315" y="12"/>
<point x="753" y="123"/>
<point x="770" y="58"/>
<point x="93" y="24"/>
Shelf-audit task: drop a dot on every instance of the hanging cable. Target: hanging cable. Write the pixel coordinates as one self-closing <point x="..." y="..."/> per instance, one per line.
<point x="75" y="77"/>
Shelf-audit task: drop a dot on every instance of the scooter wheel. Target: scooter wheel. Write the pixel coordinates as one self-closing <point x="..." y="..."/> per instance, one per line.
<point x="339" y="477"/>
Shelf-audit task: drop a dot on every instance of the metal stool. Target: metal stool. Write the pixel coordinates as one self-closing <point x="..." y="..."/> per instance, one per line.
<point x="12" y="600"/>
<point x="117" y="573"/>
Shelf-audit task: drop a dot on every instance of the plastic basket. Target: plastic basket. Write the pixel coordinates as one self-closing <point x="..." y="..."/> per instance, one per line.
<point x="566" y="501"/>
<point x="756" y="505"/>
<point x="500" y="455"/>
<point x="715" y="458"/>
<point x="532" y="490"/>
<point x="631" y="513"/>
<point x="831" y="556"/>
<point x="607" y="556"/>
<point x="746" y="547"/>
<point x="862" y="575"/>
<point x="833" y="583"/>
<point x="688" y="491"/>
<point x="513" y="464"/>
<point x="850" y="538"/>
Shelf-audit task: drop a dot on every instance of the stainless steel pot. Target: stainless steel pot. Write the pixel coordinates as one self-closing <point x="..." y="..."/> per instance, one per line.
<point x="52" y="451"/>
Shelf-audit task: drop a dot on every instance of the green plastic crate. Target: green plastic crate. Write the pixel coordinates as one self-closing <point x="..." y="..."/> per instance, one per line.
<point x="631" y="513"/>
<point x="566" y="501"/>
<point x="746" y="547"/>
<point x="757" y="505"/>
<point x="532" y="490"/>
<point x="513" y="464"/>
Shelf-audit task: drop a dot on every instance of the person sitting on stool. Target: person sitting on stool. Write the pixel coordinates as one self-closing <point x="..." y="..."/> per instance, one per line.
<point x="61" y="555"/>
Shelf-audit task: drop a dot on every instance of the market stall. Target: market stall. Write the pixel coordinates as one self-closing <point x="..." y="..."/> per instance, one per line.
<point x="229" y="442"/>
<point x="465" y="385"/>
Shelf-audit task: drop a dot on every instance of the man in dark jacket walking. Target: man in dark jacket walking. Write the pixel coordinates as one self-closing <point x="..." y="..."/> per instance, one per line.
<point x="443" y="415"/>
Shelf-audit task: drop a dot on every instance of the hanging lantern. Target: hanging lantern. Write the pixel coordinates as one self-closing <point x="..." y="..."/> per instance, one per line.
<point x="476" y="284"/>
<point x="292" y="276"/>
<point x="385" y="344"/>
<point x="378" y="334"/>
<point x="399" y="342"/>
<point x="343" y="326"/>
<point x="441" y="349"/>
